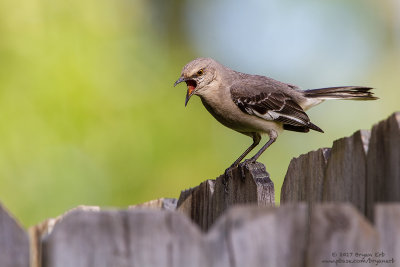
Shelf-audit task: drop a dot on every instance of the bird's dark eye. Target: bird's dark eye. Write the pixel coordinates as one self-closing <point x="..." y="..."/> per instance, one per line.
<point x="200" y="72"/>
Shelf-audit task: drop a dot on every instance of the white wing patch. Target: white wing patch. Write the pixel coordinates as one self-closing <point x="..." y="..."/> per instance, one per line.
<point x="276" y="115"/>
<point x="266" y="116"/>
<point x="273" y="115"/>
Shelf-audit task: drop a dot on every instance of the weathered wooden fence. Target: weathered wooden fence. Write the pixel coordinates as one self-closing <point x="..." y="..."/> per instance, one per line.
<point x="320" y="222"/>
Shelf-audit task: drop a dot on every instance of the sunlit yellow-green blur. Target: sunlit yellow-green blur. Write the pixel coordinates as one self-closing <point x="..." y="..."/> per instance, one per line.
<point x="89" y="114"/>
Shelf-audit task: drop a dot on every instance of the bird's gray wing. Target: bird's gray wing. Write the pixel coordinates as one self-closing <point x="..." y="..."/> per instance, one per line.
<point x="271" y="104"/>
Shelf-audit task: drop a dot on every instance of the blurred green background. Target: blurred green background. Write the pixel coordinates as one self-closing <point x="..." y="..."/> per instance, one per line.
<point x="89" y="116"/>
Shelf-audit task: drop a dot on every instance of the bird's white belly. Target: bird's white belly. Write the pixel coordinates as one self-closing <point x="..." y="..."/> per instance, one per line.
<point x="232" y="117"/>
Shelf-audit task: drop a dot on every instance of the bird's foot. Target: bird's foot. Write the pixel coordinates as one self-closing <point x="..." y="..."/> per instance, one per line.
<point x="244" y="165"/>
<point x="226" y="178"/>
<point x="228" y="173"/>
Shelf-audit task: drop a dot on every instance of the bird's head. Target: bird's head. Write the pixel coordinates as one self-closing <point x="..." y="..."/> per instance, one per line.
<point x="197" y="74"/>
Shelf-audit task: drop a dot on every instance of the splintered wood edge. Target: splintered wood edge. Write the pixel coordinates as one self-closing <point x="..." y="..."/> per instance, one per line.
<point x="295" y="185"/>
<point x="160" y="203"/>
<point x="382" y="172"/>
<point x="41" y="230"/>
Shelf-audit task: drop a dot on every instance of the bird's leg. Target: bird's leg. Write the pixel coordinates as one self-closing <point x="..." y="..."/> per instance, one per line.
<point x="272" y="137"/>
<point x="256" y="141"/>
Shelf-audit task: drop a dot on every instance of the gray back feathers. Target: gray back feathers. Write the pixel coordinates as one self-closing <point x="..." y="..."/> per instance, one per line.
<point x="270" y="100"/>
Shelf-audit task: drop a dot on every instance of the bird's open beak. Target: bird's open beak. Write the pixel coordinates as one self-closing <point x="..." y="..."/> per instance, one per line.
<point x="181" y="79"/>
<point x="191" y="85"/>
<point x="188" y="96"/>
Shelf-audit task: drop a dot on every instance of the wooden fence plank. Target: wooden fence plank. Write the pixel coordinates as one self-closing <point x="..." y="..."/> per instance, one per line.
<point x="346" y="172"/>
<point x="14" y="242"/>
<point x="161" y="203"/>
<point x="337" y="233"/>
<point x="35" y="235"/>
<point x="304" y="179"/>
<point x="43" y="229"/>
<point x="123" y="238"/>
<point x="264" y="236"/>
<point x="244" y="236"/>
<point x="337" y="174"/>
<point x="248" y="183"/>
<point x="383" y="163"/>
<point x="362" y="169"/>
<point x="387" y="221"/>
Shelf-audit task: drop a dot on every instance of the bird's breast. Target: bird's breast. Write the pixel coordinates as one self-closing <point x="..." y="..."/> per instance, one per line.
<point x="224" y="110"/>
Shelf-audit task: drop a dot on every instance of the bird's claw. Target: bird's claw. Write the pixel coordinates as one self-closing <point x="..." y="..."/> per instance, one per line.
<point x="243" y="165"/>
<point x="228" y="173"/>
<point x="227" y="177"/>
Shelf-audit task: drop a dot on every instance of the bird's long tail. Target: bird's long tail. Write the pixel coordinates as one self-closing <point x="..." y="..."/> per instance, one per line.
<point x="343" y="92"/>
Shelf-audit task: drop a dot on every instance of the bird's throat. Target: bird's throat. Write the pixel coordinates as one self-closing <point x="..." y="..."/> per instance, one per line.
<point x="191" y="89"/>
<point x="191" y="85"/>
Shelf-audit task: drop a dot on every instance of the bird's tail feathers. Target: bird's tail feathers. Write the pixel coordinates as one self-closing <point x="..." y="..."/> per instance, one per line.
<point x="342" y="92"/>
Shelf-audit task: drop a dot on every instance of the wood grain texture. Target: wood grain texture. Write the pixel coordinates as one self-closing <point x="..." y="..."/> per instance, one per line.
<point x="263" y="236"/>
<point x="387" y="221"/>
<point x="362" y="169"/>
<point x="245" y="235"/>
<point x="235" y="223"/>
<point x="247" y="183"/>
<point x="43" y="229"/>
<point x="383" y="163"/>
<point x="304" y="180"/>
<point x="14" y="242"/>
<point x="123" y="238"/>
<point x="346" y="172"/>
<point x="161" y="203"/>
<point x="339" y="228"/>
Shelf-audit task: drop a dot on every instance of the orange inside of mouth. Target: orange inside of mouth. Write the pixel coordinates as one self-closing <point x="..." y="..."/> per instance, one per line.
<point x="191" y="85"/>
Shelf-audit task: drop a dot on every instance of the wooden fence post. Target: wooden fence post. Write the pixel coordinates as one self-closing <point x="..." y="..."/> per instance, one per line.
<point x="345" y="174"/>
<point x="361" y="169"/>
<point x="135" y="237"/>
<point x="387" y="221"/>
<point x="14" y="242"/>
<point x="383" y="163"/>
<point x="304" y="179"/>
<point x="249" y="183"/>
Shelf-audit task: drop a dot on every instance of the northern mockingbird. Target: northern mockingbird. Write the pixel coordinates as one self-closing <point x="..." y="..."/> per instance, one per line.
<point x="254" y="105"/>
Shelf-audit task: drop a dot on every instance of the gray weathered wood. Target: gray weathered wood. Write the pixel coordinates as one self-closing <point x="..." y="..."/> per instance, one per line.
<point x="295" y="234"/>
<point x="14" y="242"/>
<point x="387" y="221"/>
<point x="248" y="183"/>
<point x="383" y="163"/>
<point x="43" y="229"/>
<point x="362" y="169"/>
<point x="123" y="238"/>
<point x="262" y="236"/>
<point x="161" y="203"/>
<point x="339" y="228"/>
<point x="346" y="172"/>
<point x="304" y="179"/>
<point x="243" y="236"/>
<point x="337" y="174"/>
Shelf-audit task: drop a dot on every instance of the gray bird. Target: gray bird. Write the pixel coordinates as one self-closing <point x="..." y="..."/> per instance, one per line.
<point x="254" y="105"/>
